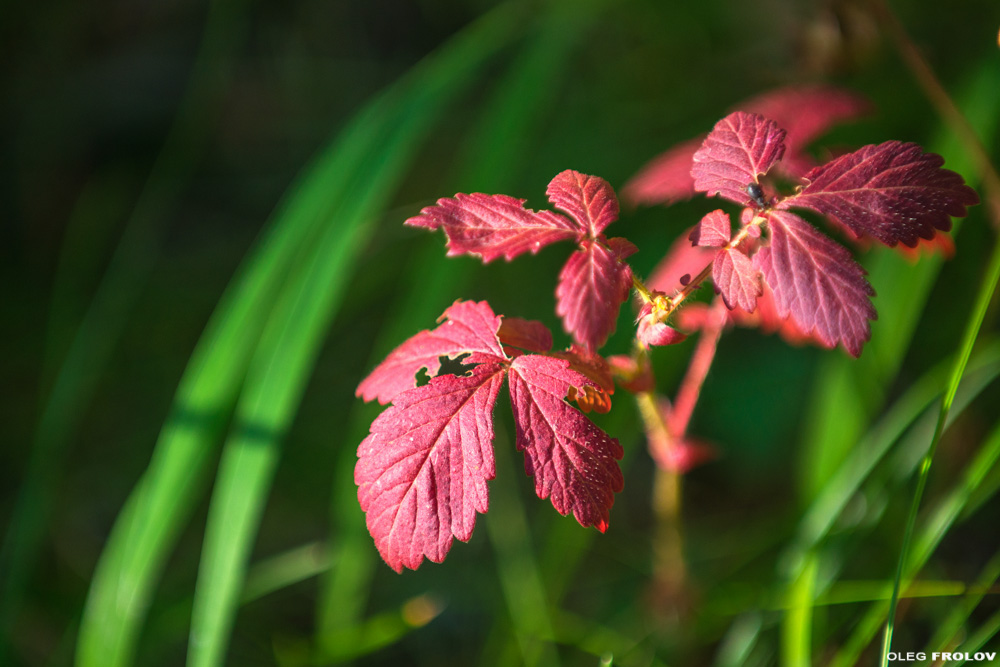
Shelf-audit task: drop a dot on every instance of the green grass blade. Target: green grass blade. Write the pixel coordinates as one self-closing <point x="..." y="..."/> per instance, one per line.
<point x="282" y="363"/>
<point x="941" y="520"/>
<point x="983" y="299"/>
<point x="148" y="525"/>
<point x="121" y="286"/>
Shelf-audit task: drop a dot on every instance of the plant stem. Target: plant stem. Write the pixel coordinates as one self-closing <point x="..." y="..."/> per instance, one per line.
<point x="701" y="362"/>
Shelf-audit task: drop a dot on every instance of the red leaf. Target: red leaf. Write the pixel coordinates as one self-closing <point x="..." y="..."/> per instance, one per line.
<point x="805" y="112"/>
<point x="422" y="472"/>
<point x="712" y="231"/>
<point x="893" y="191"/>
<point x="525" y="334"/>
<point x="589" y="200"/>
<point x="736" y="280"/>
<point x="666" y="179"/>
<point x="740" y="148"/>
<point x="574" y="463"/>
<point x="471" y="329"/>
<point x="592" y="286"/>
<point x="816" y="282"/>
<point x="492" y="226"/>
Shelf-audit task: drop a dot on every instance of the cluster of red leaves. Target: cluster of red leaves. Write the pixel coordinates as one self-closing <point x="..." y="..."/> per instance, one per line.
<point x="798" y="281"/>
<point x="422" y="472"/>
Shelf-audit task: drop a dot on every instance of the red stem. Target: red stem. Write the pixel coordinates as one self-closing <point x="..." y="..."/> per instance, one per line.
<point x="701" y="362"/>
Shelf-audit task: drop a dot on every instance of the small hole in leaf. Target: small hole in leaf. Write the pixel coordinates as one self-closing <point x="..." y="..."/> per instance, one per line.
<point x="454" y="366"/>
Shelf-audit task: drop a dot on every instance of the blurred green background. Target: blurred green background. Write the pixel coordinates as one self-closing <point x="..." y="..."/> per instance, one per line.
<point x="203" y="255"/>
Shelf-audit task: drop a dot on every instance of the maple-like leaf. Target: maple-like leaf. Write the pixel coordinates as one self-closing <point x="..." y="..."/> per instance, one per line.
<point x="492" y="226"/>
<point x="666" y="179"/>
<point x="525" y="334"/>
<point x="736" y="280"/>
<point x="892" y="191"/>
<point x="713" y="230"/>
<point x="422" y="471"/>
<point x="592" y="286"/>
<point x="805" y="112"/>
<point x="739" y="149"/>
<point x="589" y="200"/>
<point x="816" y="282"/>
<point x="574" y="463"/>
<point x="470" y="328"/>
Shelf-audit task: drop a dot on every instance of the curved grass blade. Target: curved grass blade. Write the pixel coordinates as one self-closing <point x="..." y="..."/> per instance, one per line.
<point x="941" y="520"/>
<point x="983" y="299"/>
<point x="97" y="334"/>
<point x="848" y="394"/>
<point x="162" y="501"/>
<point x="282" y="362"/>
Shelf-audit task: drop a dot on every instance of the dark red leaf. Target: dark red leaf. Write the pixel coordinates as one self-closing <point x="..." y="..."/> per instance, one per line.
<point x="525" y="334"/>
<point x="422" y="472"/>
<point x="471" y="328"/>
<point x="492" y="226"/>
<point x="816" y="282"/>
<point x="741" y="147"/>
<point x="893" y="191"/>
<point x="589" y="200"/>
<point x="592" y="286"/>
<point x="574" y="463"/>
<point x="805" y="112"/>
<point x="666" y="179"/>
<point x="712" y="231"/>
<point x="736" y="280"/>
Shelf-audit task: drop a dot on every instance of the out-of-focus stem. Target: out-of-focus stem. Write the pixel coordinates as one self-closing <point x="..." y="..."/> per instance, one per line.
<point x="669" y="571"/>
<point x="701" y="362"/>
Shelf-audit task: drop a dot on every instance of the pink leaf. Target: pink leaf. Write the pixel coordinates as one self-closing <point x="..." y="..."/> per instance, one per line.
<point x="492" y="226"/>
<point x="805" y="112"/>
<point x="816" y="282"/>
<point x="713" y="231"/>
<point x="893" y="191"/>
<point x="525" y="334"/>
<point x="471" y="328"/>
<point x="422" y="472"/>
<point x="588" y="199"/>
<point x="666" y="179"/>
<point x="574" y="463"/>
<point x="736" y="279"/>
<point x="740" y="148"/>
<point x="592" y="286"/>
